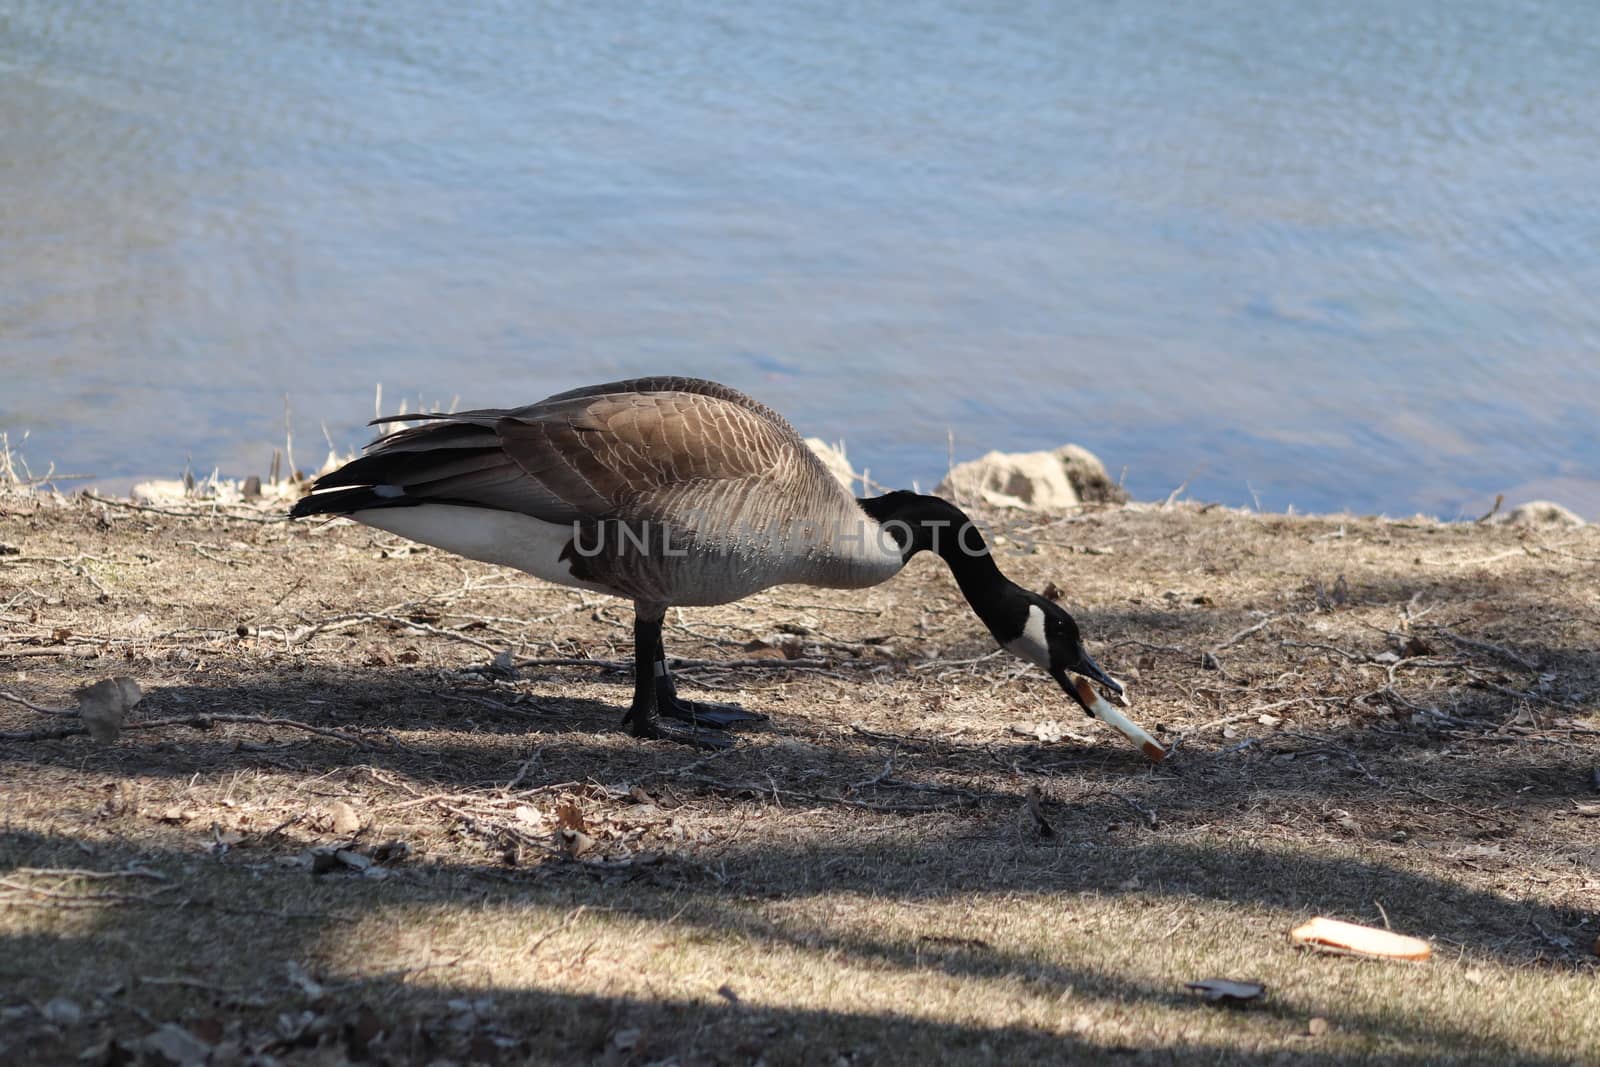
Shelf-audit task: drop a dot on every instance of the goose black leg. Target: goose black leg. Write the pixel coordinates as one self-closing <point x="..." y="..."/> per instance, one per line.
<point x="643" y="718"/>
<point x="718" y="716"/>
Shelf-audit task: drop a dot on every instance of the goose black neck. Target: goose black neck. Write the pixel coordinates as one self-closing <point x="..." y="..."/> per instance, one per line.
<point x="928" y="523"/>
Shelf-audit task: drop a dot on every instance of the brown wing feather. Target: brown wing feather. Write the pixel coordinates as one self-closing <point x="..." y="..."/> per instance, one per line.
<point x="637" y="448"/>
<point x="644" y="449"/>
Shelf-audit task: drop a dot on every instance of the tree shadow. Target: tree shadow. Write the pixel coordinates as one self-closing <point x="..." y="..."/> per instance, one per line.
<point x="290" y="915"/>
<point x="1351" y="791"/>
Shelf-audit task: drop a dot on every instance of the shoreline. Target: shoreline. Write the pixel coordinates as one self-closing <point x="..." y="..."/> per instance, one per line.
<point x="197" y="496"/>
<point x="190" y="488"/>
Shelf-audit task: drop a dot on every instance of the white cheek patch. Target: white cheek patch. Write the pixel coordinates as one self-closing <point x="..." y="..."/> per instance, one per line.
<point x="1031" y="644"/>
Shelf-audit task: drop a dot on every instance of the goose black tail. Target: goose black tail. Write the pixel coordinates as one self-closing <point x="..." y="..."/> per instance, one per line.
<point x="344" y="501"/>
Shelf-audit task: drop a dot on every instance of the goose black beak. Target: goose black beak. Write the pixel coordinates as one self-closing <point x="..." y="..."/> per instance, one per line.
<point x="1087" y="667"/>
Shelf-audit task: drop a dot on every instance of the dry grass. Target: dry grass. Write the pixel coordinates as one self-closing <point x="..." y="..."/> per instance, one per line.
<point x="861" y="881"/>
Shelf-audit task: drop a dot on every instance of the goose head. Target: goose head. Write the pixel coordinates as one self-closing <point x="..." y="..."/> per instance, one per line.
<point x="1043" y="633"/>
<point x="1023" y="622"/>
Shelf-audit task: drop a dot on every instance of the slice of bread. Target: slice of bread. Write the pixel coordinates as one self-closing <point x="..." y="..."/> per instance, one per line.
<point x="1331" y="935"/>
<point x="1127" y="727"/>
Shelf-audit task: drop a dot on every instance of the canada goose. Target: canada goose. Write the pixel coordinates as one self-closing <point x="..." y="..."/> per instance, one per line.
<point x="672" y="492"/>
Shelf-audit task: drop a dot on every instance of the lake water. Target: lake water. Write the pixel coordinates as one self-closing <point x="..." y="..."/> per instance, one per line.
<point x="1334" y="254"/>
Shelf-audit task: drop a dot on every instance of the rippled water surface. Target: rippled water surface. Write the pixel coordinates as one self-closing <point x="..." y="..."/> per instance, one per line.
<point x="1328" y="255"/>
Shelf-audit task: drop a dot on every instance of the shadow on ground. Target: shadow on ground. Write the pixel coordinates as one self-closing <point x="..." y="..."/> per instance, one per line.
<point x="213" y="951"/>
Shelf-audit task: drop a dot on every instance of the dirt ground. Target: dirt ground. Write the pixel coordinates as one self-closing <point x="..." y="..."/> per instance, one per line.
<point x="339" y="827"/>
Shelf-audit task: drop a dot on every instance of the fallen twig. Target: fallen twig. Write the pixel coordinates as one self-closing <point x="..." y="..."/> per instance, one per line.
<point x="522" y="771"/>
<point x="81" y="872"/>
<point x="1324" y="647"/>
<point x="930" y="664"/>
<point x="1522" y="694"/>
<point x="775" y="791"/>
<point x="1487" y="646"/>
<point x="686" y="664"/>
<point x="200" y="510"/>
<point x="469" y="698"/>
<point x="1151" y="646"/>
<point x="31" y="706"/>
<point x="1147" y="814"/>
<point x="399" y="972"/>
<point x="827" y="607"/>
<point x="1481" y="561"/>
<point x="1246" y="632"/>
<point x="898" y="739"/>
<point x="62" y="898"/>
<point x="202" y="722"/>
<point x="1230" y="720"/>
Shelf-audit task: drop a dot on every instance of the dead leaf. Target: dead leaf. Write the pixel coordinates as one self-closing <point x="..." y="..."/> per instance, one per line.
<point x="1414" y="647"/>
<point x="391" y="852"/>
<point x="104" y="706"/>
<point x="1588" y="857"/>
<point x="360" y="1031"/>
<point x="378" y="655"/>
<point x="345" y="819"/>
<point x="322" y="860"/>
<point x="1036" y="809"/>
<point x="569" y="816"/>
<point x="303" y="1028"/>
<point x="131" y="693"/>
<point x="1268" y="720"/>
<point x="1227" y="990"/>
<point x="526" y="813"/>
<point x="176" y="1045"/>
<point x="63" y="1012"/>
<point x="118" y="800"/>
<point x="1048" y="733"/>
<point x="1317" y="1026"/>
<point x="576" y="842"/>
<point x="301" y="980"/>
<point x="354" y="860"/>
<point x="209" y="1029"/>
<point x="503" y="665"/>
